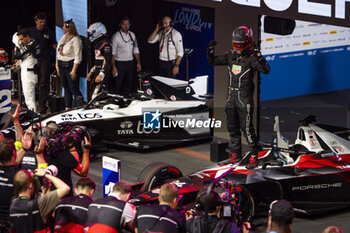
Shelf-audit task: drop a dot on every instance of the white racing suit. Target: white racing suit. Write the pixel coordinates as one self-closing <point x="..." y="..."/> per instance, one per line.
<point x="29" y="78"/>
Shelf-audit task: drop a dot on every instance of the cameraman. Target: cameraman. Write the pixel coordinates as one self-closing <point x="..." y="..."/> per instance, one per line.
<point x="198" y="224"/>
<point x="68" y="160"/>
<point x="27" y="214"/>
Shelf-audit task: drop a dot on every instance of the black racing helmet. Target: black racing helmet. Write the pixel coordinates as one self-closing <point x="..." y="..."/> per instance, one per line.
<point x="242" y="38"/>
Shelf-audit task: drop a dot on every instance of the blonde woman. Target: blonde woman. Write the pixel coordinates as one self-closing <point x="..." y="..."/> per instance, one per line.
<point x="69" y="56"/>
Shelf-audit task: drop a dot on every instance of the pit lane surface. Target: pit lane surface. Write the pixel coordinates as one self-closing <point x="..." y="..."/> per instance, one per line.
<point x="193" y="158"/>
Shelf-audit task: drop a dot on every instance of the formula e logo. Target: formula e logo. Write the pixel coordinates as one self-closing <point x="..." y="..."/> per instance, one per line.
<point x="89" y="115"/>
<point x="151" y="120"/>
<point x="68" y="117"/>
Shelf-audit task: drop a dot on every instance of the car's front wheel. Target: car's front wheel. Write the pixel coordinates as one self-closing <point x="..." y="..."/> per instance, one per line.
<point x="156" y="174"/>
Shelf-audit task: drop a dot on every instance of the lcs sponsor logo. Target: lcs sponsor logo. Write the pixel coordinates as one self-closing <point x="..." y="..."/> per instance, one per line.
<point x="126" y="128"/>
<point x="89" y="115"/>
<point x="68" y="117"/>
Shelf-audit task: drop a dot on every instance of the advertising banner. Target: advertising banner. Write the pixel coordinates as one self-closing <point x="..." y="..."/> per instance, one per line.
<point x="312" y="59"/>
<point x="5" y="91"/>
<point x="196" y="34"/>
<point x="111" y="173"/>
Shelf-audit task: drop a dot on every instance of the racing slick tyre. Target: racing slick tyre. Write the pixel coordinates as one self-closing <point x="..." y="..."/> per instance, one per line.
<point x="247" y="206"/>
<point x="156" y="174"/>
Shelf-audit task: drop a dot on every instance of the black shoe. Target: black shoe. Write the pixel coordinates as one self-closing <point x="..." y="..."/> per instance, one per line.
<point x="253" y="163"/>
<point x="42" y="110"/>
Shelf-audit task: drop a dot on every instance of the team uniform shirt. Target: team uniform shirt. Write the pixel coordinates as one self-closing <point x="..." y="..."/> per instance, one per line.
<point x="170" y="44"/>
<point x="159" y="218"/>
<point x="40" y="208"/>
<point x="71" y="213"/>
<point x="45" y="39"/>
<point x="124" y="46"/>
<point x="70" y="49"/>
<point x="108" y="215"/>
<point x="6" y="189"/>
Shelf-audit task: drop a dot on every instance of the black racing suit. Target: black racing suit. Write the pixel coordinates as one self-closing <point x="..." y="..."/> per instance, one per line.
<point x="103" y="64"/>
<point x="240" y="104"/>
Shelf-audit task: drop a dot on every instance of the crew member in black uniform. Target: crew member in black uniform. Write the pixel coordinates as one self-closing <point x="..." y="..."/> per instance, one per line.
<point x="7" y="172"/>
<point x="163" y="217"/>
<point x="29" y="215"/>
<point x="71" y="213"/>
<point x="199" y="223"/>
<point x="242" y="63"/>
<point x="111" y="213"/>
<point x="101" y="72"/>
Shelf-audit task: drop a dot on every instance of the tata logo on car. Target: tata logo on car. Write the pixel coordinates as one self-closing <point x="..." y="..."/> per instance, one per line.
<point x="68" y="117"/>
<point x="89" y="115"/>
<point x="126" y="128"/>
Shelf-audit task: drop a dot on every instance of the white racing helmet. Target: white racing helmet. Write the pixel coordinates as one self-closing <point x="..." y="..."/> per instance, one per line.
<point x="96" y="30"/>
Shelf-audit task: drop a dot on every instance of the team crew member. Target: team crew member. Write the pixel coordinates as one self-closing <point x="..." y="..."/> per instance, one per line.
<point x="47" y="42"/>
<point x="281" y="215"/>
<point x="27" y="52"/>
<point x="100" y="73"/>
<point x="162" y="217"/>
<point x="69" y="56"/>
<point x="7" y="172"/>
<point x="125" y="48"/>
<point x="111" y="213"/>
<point x="71" y="213"/>
<point x="29" y="215"/>
<point x="170" y="47"/>
<point x="214" y="224"/>
<point x="242" y="63"/>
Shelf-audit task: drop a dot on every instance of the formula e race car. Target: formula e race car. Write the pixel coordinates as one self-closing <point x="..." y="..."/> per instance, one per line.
<point x="313" y="174"/>
<point x="164" y="112"/>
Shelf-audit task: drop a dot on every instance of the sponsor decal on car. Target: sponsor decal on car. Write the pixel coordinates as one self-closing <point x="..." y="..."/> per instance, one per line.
<point x="89" y="115"/>
<point x="316" y="186"/>
<point x="68" y="117"/>
<point x="126" y="128"/>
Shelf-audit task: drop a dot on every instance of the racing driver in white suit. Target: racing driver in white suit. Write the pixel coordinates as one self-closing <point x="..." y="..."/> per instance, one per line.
<point x="25" y="51"/>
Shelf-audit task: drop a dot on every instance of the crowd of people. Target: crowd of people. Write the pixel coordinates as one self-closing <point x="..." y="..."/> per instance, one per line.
<point x="117" y="59"/>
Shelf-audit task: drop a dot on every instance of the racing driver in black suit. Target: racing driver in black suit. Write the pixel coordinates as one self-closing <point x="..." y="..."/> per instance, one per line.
<point x="242" y="63"/>
<point x="100" y="72"/>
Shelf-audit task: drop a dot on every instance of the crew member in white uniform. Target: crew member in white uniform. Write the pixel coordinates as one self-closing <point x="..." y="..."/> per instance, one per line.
<point x="170" y="47"/>
<point x="25" y="51"/>
<point x="124" y="49"/>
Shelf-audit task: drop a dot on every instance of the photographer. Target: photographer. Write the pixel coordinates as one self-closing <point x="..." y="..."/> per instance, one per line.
<point x="198" y="224"/>
<point x="163" y="217"/>
<point x="66" y="157"/>
<point x="27" y="214"/>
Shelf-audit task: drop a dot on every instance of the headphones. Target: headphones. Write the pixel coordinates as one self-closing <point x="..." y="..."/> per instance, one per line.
<point x="214" y="198"/>
<point x="271" y="205"/>
<point x="68" y="22"/>
<point x="171" y="20"/>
